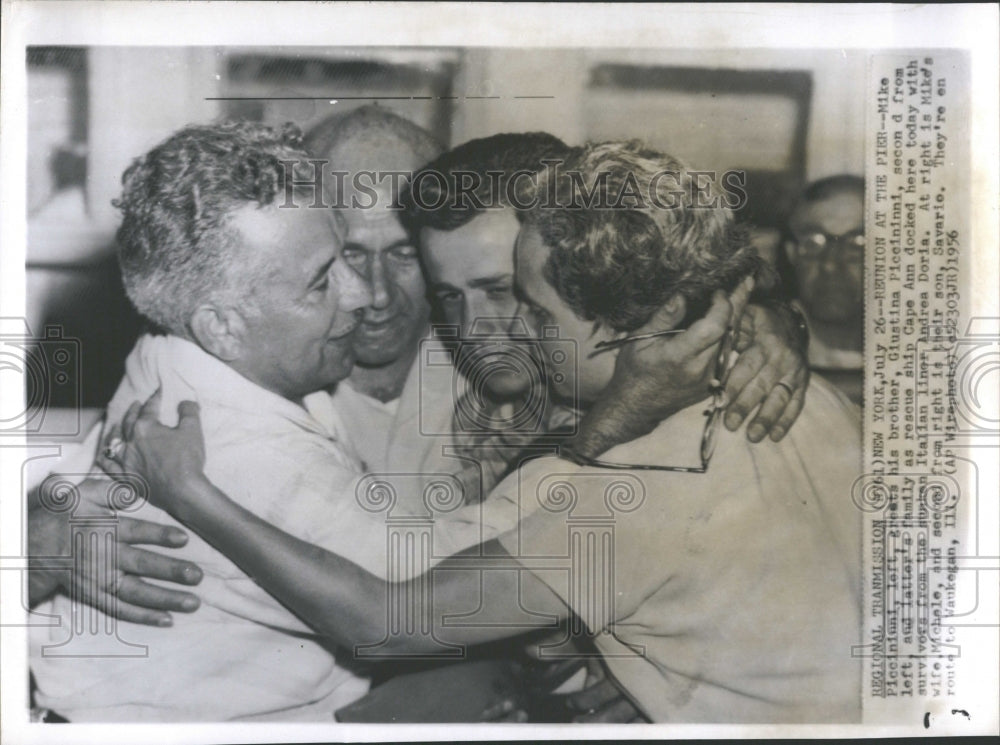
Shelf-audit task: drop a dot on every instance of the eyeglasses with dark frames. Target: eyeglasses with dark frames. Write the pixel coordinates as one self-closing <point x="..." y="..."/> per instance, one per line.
<point x="849" y="247"/>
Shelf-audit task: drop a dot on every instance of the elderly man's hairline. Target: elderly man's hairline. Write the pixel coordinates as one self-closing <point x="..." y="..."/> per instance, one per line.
<point x="156" y="240"/>
<point x="213" y="281"/>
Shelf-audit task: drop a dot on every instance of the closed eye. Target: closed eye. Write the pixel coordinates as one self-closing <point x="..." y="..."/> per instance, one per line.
<point x="499" y="292"/>
<point x="404" y="252"/>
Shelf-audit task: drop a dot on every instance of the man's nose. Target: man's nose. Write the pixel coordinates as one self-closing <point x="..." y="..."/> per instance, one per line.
<point x="355" y="291"/>
<point x="830" y="262"/>
<point x="381" y="286"/>
<point x="477" y="319"/>
<point x="524" y="321"/>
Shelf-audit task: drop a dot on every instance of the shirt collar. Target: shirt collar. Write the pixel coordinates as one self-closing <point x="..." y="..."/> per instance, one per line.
<point x="183" y="370"/>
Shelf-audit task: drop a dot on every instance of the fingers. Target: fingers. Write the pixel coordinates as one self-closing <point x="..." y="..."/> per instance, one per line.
<point x="745" y="331"/>
<point x="151" y="409"/>
<point x="125" y="611"/>
<point x="739" y="299"/>
<point x="593" y="697"/>
<point x="789" y="415"/>
<point x="109" y="465"/>
<point x="129" y="420"/>
<point x="707" y="331"/>
<point x="156" y="566"/>
<point x="768" y="414"/>
<point x="188" y="415"/>
<point x="133" y="530"/>
<point x="136" y="593"/>
<point x="744" y="387"/>
<point x="504" y="711"/>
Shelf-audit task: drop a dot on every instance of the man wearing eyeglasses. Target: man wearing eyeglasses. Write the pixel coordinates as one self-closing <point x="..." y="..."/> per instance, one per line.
<point x="827" y="252"/>
<point x="720" y="579"/>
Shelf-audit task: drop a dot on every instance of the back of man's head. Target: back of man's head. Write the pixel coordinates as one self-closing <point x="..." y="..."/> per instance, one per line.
<point x="174" y="246"/>
<point x="618" y="264"/>
<point x="451" y="190"/>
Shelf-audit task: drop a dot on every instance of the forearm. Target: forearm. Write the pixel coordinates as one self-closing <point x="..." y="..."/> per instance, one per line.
<point x="338" y="598"/>
<point x="48" y="537"/>
<point x="616" y="418"/>
<point x="333" y="595"/>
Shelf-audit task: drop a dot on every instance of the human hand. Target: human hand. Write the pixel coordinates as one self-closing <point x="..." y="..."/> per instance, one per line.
<point x="771" y="372"/>
<point x="657" y="377"/>
<point x="508" y="709"/>
<point x="170" y="459"/>
<point x="121" y="592"/>
<point x="673" y="371"/>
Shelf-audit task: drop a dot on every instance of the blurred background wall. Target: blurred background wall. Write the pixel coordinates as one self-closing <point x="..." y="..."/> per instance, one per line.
<point x="786" y="117"/>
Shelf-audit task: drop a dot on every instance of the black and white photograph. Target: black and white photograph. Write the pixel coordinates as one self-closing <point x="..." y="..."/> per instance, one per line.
<point x="522" y="371"/>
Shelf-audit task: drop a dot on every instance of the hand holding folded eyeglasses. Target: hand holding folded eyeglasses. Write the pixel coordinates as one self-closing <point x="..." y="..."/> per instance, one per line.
<point x="771" y="371"/>
<point x="658" y="373"/>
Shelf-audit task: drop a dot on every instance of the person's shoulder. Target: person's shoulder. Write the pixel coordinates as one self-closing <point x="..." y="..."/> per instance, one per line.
<point x="825" y="400"/>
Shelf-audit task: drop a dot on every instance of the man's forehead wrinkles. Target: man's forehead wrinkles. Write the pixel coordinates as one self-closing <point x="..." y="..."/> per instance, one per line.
<point x="377" y="215"/>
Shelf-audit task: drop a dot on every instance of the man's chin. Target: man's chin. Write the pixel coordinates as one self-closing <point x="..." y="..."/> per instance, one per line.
<point x="375" y="346"/>
<point x="375" y="355"/>
<point x="339" y="360"/>
<point x="338" y="372"/>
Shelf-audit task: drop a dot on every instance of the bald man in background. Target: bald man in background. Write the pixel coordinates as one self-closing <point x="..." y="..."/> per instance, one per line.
<point x="386" y="344"/>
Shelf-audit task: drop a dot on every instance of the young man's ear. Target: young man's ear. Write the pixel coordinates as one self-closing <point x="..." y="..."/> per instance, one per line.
<point x="219" y="331"/>
<point x="668" y="316"/>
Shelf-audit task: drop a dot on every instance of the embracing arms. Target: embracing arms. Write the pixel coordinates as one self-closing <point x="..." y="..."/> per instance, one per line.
<point x="655" y="378"/>
<point x="332" y="594"/>
<point x="127" y="594"/>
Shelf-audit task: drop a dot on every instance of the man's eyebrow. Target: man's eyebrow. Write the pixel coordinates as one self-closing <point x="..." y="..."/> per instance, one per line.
<point x="481" y="281"/>
<point x="356" y="245"/>
<point x="322" y="271"/>
<point x="438" y="286"/>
